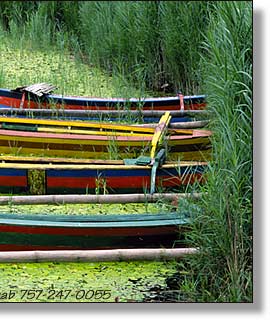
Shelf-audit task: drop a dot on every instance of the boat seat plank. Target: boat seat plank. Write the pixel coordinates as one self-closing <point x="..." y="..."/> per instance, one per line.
<point x="38" y="89"/>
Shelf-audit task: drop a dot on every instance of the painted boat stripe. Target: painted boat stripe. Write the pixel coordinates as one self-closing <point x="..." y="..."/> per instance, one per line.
<point x="200" y="155"/>
<point x="10" y="172"/>
<point x="191" y="102"/>
<point x="18" y="181"/>
<point x="106" y="230"/>
<point x="139" y="182"/>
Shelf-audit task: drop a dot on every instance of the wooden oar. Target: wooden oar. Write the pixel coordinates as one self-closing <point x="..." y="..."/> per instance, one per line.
<point x="160" y="131"/>
<point x="158" y="159"/>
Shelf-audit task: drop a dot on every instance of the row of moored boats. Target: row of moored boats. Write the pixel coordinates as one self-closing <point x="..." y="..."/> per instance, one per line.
<point x="51" y="144"/>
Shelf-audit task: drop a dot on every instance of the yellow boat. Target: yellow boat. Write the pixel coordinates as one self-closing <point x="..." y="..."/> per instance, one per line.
<point x="93" y="140"/>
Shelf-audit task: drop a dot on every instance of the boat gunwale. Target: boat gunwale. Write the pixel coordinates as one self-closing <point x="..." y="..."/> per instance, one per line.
<point x="78" y="137"/>
<point x="98" y="166"/>
<point x="115" y="221"/>
<point x="108" y="99"/>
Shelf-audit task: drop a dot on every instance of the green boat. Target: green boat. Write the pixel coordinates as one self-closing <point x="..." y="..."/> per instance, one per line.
<point x="20" y="232"/>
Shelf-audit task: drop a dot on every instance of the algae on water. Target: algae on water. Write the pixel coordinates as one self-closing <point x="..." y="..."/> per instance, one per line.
<point x="81" y="282"/>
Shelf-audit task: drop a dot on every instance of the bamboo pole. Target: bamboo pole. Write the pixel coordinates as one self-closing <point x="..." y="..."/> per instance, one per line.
<point x="108" y="198"/>
<point x="152" y="254"/>
<point x="181" y="125"/>
<point x="106" y="113"/>
<point x="189" y="124"/>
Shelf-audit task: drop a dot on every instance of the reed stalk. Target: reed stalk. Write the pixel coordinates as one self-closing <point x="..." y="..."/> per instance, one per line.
<point x="223" y="270"/>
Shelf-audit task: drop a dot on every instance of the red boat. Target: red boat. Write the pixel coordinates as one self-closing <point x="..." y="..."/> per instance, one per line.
<point x="38" y="96"/>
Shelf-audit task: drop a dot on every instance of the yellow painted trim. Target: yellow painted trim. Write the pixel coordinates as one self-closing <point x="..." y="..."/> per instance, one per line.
<point x="77" y="123"/>
<point x="96" y="125"/>
<point x="204" y="155"/>
<point x="159" y="132"/>
<point x="61" y="153"/>
<point x="87" y="162"/>
<point x="82" y="142"/>
<point x="86" y="132"/>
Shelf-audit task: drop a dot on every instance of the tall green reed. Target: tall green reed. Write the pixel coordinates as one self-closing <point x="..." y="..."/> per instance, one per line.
<point x="223" y="270"/>
<point x="182" y="26"/>
<point x="152" y="43"/>
<point x="15" y="12"/>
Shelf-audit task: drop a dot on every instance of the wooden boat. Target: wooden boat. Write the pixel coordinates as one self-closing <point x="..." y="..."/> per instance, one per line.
<point x="38" y="96"/>
<point x="81" y="139"/>
<point x="30" y="175"/>
<point x="65" y="232"/>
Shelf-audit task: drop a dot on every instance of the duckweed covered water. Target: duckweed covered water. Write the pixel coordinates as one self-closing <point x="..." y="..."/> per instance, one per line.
<point x="25" y="66"/>
<point x="82" y="282"/>
<point x="87" y="209"/>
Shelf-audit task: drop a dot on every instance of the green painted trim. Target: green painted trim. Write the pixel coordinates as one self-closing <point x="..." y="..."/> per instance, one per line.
<point x="94" y="218"/>
<point x="95" y="224"/>
<point x="20" y="127"/>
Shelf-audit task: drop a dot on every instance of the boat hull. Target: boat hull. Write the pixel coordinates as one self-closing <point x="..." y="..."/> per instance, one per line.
<point x="41" y="232"/>
<point x="195" y="147"/>
<point x="9" y="98"/>
<point x="30" y="176"/>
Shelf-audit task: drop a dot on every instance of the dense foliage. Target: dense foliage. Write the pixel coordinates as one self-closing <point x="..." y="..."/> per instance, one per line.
<point x="224" y="230"/>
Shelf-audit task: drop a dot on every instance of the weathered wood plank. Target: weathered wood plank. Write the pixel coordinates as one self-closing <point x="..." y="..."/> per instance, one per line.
<point x="182" y="125"/>
<point x="38" y="89"/>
